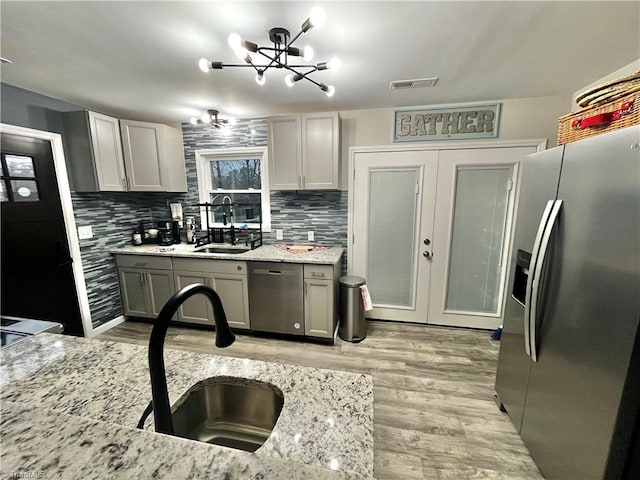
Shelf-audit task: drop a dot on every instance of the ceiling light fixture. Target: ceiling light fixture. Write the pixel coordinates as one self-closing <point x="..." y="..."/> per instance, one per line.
<point x="278" y="55"/>
<point x="211" y="118"/>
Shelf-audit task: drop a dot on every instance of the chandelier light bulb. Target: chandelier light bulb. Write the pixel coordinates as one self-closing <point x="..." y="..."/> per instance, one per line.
<point x="242" y="53"/>
<point x="330" y="91"/>
<point x="235" y="41"/>
<point x="334" y="64"/>
<point x="289" y="80"/>
<point x="205" y="118"/>
<point x="260" y="80"/>
<point x="204" y="65"/>
<point x="317" y="17"/>
<point x="307" y="54"/>
<point x="194" y="120"/>
<point x="231" y="121"/>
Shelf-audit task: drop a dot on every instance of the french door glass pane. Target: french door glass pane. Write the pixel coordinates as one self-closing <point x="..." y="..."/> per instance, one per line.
<point x="392" y="225"/>
<point x="477" y="240"/>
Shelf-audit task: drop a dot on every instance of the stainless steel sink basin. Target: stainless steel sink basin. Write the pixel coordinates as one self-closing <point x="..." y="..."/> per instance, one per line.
<point x="231" y="412"/>
<point x="229" y="251"/>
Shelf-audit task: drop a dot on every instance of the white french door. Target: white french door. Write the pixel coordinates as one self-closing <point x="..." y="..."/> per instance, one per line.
<point x="472" y="235"/>
<point x="393" y="199"/>
<point x="431" y="231"/>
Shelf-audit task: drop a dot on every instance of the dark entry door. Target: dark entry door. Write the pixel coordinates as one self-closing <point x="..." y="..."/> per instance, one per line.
<point x="37" y="275"/>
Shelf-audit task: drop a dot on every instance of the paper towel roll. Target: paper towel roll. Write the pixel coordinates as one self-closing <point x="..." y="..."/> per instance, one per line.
<point x="366" y="298"/>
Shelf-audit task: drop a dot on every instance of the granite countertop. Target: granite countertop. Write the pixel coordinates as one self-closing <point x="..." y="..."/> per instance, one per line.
<point x="265" y="253"/>
<point x="70" y="406"/>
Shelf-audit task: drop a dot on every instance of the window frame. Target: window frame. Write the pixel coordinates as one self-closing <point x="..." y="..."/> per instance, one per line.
<point x="205" y="189"/>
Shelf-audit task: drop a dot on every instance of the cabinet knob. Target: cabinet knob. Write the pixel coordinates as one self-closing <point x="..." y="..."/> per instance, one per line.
<point x="296" y="326"/>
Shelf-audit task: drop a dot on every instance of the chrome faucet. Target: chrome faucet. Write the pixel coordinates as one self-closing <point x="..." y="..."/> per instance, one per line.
<point x="224" y="337"/>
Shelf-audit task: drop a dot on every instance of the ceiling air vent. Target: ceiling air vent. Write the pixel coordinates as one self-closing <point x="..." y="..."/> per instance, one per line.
<point x="417" y="83"/>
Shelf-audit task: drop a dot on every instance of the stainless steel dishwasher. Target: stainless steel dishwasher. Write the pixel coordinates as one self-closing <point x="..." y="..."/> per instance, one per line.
<point x="276" y="302"/>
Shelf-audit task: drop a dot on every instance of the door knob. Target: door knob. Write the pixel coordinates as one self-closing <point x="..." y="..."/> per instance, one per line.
<point x="427" y="241"/>
<point x="426" y="254"/>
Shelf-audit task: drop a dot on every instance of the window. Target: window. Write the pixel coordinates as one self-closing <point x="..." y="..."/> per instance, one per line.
<point x="235" y="176"/>
<point x="19" y="183"/>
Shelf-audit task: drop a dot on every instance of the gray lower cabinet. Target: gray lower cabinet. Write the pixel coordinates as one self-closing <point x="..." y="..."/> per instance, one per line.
<point x="227" y="277"/>
<point x="146" y="283"/>
<point x="320" y="300"/>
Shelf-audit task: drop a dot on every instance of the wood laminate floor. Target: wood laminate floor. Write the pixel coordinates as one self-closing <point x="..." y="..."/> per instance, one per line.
<point x="435" y="416"/>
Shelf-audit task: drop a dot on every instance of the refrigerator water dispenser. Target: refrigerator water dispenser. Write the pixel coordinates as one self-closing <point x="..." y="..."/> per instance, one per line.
<point x="521" y="276"/>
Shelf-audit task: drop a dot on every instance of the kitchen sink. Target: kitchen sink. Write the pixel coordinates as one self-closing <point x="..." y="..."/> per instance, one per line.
<point x="228" y="251"/>
<point x="232" y="412"/>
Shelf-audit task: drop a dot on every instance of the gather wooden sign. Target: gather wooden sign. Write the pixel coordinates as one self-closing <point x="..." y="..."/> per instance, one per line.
<point x="446" y="123"/>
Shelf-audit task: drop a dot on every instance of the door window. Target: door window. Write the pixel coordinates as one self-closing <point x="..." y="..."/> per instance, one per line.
<point x="392" y="224"/>
<point x="477" y="239"/>
<point x="19" y="183"/>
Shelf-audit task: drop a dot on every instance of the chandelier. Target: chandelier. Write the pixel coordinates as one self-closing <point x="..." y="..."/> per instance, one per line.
<point x="211" y="118"/>
<point x="277" y="56"/>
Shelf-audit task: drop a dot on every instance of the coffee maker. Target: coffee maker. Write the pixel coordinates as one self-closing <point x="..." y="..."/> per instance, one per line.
<point x="165" y="233"/>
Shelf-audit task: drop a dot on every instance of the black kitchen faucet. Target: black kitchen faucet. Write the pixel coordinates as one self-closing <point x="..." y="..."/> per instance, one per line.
<point x="224" y="337"/>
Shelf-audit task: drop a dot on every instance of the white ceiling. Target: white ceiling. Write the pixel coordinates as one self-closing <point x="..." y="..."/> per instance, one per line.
<point x="139" y="59"/>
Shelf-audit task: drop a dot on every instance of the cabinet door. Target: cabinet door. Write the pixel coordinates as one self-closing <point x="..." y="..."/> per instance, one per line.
<point x="320" y="151"/>
<point x="319" y="308"/>
<point x="197" y="309"/>
<point x="234" y="295"/>
<point x="160" y="289"/>
<point x="143" y="146"/>
<point x="285" y="156"/>
<point x="133" y="290"/>
<point x="107" y="152"/>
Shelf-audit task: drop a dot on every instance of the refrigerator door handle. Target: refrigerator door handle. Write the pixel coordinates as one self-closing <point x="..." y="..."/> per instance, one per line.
<point x="536" y="281"/>
<point x="532" y="272"/>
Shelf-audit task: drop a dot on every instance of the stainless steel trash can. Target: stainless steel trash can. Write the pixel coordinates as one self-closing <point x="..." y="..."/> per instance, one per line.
<point x="352" y="324"/>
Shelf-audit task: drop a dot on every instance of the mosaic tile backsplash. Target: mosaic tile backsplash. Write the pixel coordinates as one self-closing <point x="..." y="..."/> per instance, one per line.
<point x="113" y="215"/>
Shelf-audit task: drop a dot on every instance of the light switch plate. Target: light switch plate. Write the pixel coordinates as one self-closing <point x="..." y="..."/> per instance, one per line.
<point x="85" y="232"/>
<point x="278" y="234"/>
<point x="311" y="236"/>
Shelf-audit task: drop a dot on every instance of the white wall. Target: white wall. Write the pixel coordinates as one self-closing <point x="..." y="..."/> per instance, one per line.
<point x="523" y="118"/>
<point x="625" y="71"/>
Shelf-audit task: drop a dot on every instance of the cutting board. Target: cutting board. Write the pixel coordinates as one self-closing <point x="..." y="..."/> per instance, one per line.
<point x="300" y="248"/>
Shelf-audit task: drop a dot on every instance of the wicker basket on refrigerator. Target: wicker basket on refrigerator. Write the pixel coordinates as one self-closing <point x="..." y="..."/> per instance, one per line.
<point x="607" y="107"/>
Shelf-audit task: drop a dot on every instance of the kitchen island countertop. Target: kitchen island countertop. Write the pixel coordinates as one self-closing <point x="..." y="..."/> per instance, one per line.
<point x="265" y="253"/>
<point x="70" y="406"/>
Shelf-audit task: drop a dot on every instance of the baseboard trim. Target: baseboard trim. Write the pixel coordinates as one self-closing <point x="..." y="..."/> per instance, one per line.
<point x="107" y="326"/>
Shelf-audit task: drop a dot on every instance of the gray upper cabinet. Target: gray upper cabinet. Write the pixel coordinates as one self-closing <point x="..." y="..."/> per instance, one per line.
<point x="107" y="155"/>
<point x="95" y="152"/>
<point x="304" y="151"/>
<point x="153" y="156"/>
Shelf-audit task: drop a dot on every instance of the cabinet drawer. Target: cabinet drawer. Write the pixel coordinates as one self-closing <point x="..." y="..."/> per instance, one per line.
<point x="143" y="261"/>
<point x="209" y="266"/>
<point x="319" y="272"/>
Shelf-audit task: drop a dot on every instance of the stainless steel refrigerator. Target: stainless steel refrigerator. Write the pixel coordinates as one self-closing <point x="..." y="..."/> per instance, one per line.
<point x="568" y="371"/>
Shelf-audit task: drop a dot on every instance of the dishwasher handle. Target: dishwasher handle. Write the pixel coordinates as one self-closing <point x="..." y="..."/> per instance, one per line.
<point x="265" y="271"/>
